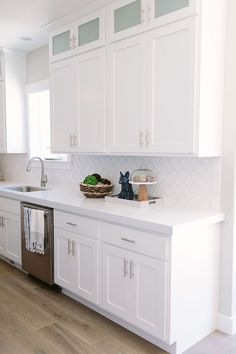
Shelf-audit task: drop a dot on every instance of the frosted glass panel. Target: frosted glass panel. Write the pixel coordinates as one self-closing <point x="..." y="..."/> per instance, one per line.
<point x="127" y="16"/>
<point x="89" y="32"/>
<point x="61" y="43"/>
<point x="163" y="7"/>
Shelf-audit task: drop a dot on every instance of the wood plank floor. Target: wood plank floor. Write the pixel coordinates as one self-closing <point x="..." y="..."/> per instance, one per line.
<point x="37" y="320"/>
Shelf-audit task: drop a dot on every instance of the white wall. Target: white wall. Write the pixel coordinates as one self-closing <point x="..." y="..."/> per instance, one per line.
<point x="37" y="65"/>
<point x="228" y="198"/>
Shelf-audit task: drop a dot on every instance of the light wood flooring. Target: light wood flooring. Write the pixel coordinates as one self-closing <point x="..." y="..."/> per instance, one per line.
<point x="37" y="320"/>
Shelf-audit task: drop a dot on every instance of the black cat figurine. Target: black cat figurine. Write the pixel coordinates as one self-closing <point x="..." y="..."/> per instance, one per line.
<point x="126" y="188"/>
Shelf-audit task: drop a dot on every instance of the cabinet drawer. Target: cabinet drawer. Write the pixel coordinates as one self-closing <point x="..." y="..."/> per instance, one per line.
<point x="75" y="223"/>
<point x="10" y="206"/>
<point x="138" y="241"/>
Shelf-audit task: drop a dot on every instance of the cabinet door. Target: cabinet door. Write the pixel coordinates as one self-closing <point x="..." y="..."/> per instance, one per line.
<point x="126" y="95"/>
<point x="90" y="69"/>
<point x="12" y="235"/>
<point x="87" y="268"/>
<point x="61" y="43"/>
<point x="2" y="67"/>
<point x="90" y="32"/>
<point x="116" y="284"/>
<point x="171" y="83"/>
<point x="125" y="18"/>
<point x="63" y="103"/>
<point x="149" y="300"/>
<point x="2" y="117"/>
<point x="2" y="237"/>
<point x="166" y="11"/>
<point x="64" y="261"/>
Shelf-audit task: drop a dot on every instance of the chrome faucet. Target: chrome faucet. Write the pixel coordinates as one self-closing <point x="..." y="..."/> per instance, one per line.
<point x="44" y="178"/>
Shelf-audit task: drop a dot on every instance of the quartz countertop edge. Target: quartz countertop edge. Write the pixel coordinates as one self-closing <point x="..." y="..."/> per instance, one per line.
<point x="163" y="220"/>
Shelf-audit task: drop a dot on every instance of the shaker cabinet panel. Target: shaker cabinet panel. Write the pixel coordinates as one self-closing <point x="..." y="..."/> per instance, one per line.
<point x="90" y="80"/>
<point x="171" y="88"/>
<point x="126" y="95"/>
<point x="12" y="229"/>
<point x="64" y="263"/>
<point x="63" y="98"/>
<point x="86" y="253"/>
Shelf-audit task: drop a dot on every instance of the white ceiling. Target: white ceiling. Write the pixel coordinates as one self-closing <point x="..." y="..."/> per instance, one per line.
<point x="25" y="18"/>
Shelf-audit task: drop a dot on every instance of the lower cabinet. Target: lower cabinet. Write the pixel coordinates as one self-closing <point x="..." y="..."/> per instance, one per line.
<point x="10" y="236"/>
<point x="134" y="287"/>
<point x="76" y="264"/>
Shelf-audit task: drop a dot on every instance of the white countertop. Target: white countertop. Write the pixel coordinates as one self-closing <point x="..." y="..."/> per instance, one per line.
<point x="157" y="219"/>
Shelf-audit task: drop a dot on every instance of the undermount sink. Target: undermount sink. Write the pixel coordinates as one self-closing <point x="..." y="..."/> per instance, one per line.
<point x="25" y="189"/>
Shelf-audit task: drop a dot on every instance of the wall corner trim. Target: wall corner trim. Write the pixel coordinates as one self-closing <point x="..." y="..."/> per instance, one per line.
<point x="226" y="324"/>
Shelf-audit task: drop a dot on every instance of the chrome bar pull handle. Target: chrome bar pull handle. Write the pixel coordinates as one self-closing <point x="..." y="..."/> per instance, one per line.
<point x="1" y="221"/>
<point x="71" y="224"/>
<point x="126" y="272"/>
<point x="75" y="140"/>
<point x="71" y="140"/>
<point x="71" y="42"/>
<point x="127" y="240"/>
<point x="131" y="265"/>
<point x="141" y="138"/>
<point x="142" y="15"/>
<point x="68" y="246"/>
<point x="73" y="247"/>
<point x="147" y="137"/>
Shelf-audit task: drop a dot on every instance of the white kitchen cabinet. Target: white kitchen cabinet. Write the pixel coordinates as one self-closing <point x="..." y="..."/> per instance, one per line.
<point x="116" y="286"/>
<point x="127" y="95"/>
<point x="152" y="81"/>
<point x="10" y="230"/>
<point x="12" y="101"/>
<point x="134" y="287"/>
<point x="78" y="103"/>
<point x="61" y="43"/>
<point x="171" y="73"/>
<point x="64" y="262"/>
<point x="12" y="237"/>
<point x="87" y="269"/>
<point x="83" y="35"/>
<point x="76" y="259"/>
<point x="127" y="18"/>
<point x="63" y="108"/>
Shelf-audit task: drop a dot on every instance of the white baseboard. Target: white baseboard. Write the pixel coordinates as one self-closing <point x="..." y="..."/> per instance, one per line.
<point x="226" y="324"/>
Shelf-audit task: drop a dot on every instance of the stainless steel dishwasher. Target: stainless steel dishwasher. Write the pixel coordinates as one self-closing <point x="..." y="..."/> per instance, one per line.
<point x="39" y="265"/>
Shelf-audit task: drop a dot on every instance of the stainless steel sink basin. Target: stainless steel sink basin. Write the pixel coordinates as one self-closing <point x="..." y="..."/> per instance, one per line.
<point x="25" y="189"/>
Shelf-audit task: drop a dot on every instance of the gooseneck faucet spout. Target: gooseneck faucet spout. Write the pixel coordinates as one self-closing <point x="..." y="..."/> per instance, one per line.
<point x="44" y="177"/>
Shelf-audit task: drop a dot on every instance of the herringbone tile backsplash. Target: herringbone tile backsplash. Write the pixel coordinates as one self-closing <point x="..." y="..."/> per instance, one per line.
<point x="182" y="181"/>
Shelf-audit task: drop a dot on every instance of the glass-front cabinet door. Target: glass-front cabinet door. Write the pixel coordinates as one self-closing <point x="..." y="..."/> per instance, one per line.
<point x="90" y="32"/>
<point x="126" y="18"/>
<point x="61" y="43"/>
<point x="165" y="11"/>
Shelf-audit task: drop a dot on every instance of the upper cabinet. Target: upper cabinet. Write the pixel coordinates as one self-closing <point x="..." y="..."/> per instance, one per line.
<point x="78" y="103"/>
<point x="83" y="35"/>
<point x="152" y="68"/>
<point x="129" y="17"/>
<point x="12" y="102"/>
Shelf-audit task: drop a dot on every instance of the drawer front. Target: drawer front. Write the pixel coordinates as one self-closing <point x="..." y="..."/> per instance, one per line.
<point x="138" y="241"/>
<point x="10" y="206"/>
<point x="75" y="223"/>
